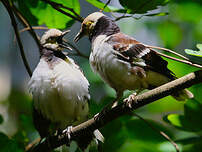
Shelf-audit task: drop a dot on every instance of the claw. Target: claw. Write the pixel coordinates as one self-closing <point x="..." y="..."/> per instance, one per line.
<point x="96" y="116"/>
<point x="115" y="104"/>
<point x="129" y="99"/>
<point x="67" y="131"/>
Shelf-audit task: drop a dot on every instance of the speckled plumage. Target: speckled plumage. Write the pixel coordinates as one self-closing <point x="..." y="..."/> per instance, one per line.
<point x="60" y="91"/>
<point x="59" y="88"/>
<point x="123" y="62"/>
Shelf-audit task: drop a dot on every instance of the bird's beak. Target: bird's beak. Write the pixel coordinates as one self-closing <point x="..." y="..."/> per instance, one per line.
<point x="65" y="47"/>
<point x="65" y="32"/>
<point x="79" y="35"/>
<point x="64" y="44"/>
<point x="62" y="40"/>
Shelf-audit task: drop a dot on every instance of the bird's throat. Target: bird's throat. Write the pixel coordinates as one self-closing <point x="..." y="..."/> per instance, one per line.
<point x="51" y="53"/>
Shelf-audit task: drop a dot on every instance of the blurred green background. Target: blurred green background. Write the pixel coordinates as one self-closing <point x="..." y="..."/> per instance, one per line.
<point x="182" y="121"/>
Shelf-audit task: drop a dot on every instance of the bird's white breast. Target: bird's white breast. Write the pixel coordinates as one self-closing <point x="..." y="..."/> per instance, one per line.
<point x="115" y="72"/>
<point x="60" y="92"/>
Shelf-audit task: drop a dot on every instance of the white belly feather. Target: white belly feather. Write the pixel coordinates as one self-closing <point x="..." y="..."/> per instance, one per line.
<point x="60" y="93"/>
<point x="112" y="70"/>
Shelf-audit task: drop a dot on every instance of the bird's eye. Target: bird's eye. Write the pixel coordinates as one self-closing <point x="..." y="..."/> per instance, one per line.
<point x="89" y="23"/>
<point x="52" y="39"/>
<point x="84" y="26"/>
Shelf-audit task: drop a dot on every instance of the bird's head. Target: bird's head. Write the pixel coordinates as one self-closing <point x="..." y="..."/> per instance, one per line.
<point x="88" y="25"/>
<point x="53" y="39"/>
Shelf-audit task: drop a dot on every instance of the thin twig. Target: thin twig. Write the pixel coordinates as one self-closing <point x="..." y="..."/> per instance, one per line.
<point x="158" y="131"/>
<point x="65" y="7"/>
<point x="14" y="24"/>
<point x="127" y="16"/>
<point x="124" y="108"/>
<point x="106" y="5"/>
<point x="132" y="16"/>
<point x="179" y="60"/>
<point x="34" y="27"/>
<point x="121" y="17"/>
<point x="57" y="6"/>
<point x="168" y="50"/>
<point x="30" y="145"/>
<point x="26" y="25"/>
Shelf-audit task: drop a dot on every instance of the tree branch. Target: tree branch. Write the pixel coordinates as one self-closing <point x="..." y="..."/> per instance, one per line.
<point x="14" y="24"/>
<point x="106" y="5"/>
<point x="26" y="25"/>
<point x="124" y="108"/>
<point x="127" y="16"/>
<point x="34" y="27"/>
<point x="58" y="7"/>
<point x="163" y="134"/>
<point x="168" y="50"/>
<point x="121" y="17"/>
<point x="179" y="60"/>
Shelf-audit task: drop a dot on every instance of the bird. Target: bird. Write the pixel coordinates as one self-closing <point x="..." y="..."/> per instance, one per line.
<point x="122" y="61"/>
<point x="59" y="89"/>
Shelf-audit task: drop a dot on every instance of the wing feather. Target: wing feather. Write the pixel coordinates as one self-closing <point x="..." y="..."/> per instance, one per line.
<point x="132" y="51"/>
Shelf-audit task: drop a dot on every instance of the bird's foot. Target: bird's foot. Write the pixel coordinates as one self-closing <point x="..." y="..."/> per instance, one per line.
<point x="68" y="131"/>
<point x="58" y="132"/>
<point x="129" y="99"/>
<point x="96" y="116"/>
<point x="114" y="104"/>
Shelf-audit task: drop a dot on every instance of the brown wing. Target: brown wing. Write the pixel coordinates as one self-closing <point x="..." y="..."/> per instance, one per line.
<point x="136" y="53"/>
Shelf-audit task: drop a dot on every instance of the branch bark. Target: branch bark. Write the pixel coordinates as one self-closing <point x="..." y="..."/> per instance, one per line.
<point x="124" y="108"/>
<point x="14" y="24"/>
<point x="26" y="24"/>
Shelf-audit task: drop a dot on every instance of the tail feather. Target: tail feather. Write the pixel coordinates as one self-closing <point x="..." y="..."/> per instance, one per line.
<point x="182" y="95"/>
<point x="98" y="135"/>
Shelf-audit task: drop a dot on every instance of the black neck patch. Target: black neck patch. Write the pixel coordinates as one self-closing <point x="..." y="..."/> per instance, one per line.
<point x="104" y="26"/>
<point x="50" y="53"/>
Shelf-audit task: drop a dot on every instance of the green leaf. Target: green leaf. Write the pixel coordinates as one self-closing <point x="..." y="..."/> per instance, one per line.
<point x="193" y="113"/>
<point x="135" y="127"/>
<point x="175" y="120"/>
<point x="141" y="6"/>
<point x="170" y="33"/>
<point x="196" y="147"/>
<point x="157" y="14"/>
<point x="195" y="53"/>
<point x="8" y="145"/>
<point x="24" y="8"/>
<point x="101" y="5"/>
<point x="138" y="146"/>
<point x="193" y="16"/>
<point x="196" y="90"/>
<point x="129" y="134"/>
<point x="114" y="133"/>
<point x="38" y="13"/>
<point x="191" y="120"/>
<point x="189" y="140"/>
